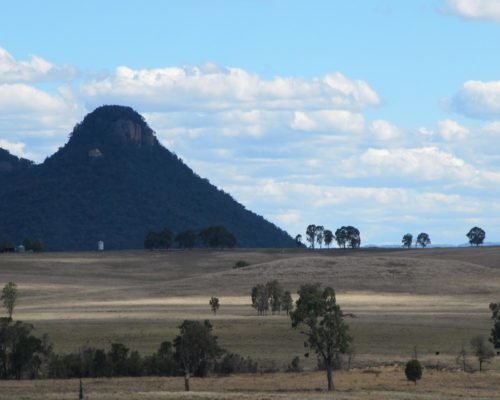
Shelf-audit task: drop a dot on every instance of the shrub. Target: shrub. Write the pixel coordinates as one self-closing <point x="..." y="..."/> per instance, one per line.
<point x="294" y="365"/>
<point x="241" y="264"/>
<point x="413" y="371"/>
<point x="232" y="363"/>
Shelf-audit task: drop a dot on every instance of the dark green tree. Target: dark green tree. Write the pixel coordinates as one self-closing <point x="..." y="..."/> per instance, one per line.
<point x="118" y="356"/>
<point x="166" y="365"/>
<point x="495" y="331"/>
<point x="21" y="353"/>
<point x="482" y="350"/>
<point x="413" y="371"/>
<point x="287" y="302"/>
<point x="214" y="304"/>
<point x="320" y="235"/>
<point x="275" y="293"/>
<point x="341" y="237"/>
<point x="476" y="236"/>
<point x="195" y="347"/>
<point x="326" y="331"/>
<point x="348" y="236"/>
<point x="353" y="237"/>
<point x="311" y="234"/>
<point x="34" y="245"/>
<point x="186" y="239"/>
<point x="158" y="240"/>
<point x="217" y="237"/>
<point x="328" y="237"/>
<point x="9" y="297"/>
<point x="260" y="299"/>
<point x="407" y="240"/>
<point x="423" y="239"/>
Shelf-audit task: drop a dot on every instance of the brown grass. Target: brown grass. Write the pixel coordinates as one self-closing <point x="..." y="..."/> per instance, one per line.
<point x="436" y="299"/>
<point x="380" y="383"/>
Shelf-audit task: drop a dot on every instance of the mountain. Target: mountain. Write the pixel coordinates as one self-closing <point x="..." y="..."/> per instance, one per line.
<point x="113" y="181"/>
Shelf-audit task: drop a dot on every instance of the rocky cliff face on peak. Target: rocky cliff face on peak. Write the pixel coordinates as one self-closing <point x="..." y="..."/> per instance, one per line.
<point x="113" y="181"/>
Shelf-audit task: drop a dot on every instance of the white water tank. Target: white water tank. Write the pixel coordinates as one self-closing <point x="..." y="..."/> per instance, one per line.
<point x="100" y="245"/>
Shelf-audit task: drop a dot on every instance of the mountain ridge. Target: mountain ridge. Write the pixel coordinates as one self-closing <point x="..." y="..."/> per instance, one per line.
<point x="114" y="181"/>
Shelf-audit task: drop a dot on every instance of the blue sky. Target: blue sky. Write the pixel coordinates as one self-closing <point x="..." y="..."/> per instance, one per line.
<point x="380" y="114"/>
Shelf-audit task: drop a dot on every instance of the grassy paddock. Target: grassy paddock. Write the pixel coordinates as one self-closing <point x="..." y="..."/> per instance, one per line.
<point x="435" y="299"/>
<point x="380" y="383"/>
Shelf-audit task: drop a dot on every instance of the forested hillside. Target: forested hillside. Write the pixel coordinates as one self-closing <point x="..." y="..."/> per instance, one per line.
<point x="113" y="181"/>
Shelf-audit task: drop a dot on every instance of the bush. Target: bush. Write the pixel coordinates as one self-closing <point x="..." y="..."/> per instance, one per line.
<point x="234" y="363"/>
<point x="294" y="365"/>
<point x="413" y="371"/>
<point x="241" y="264"/>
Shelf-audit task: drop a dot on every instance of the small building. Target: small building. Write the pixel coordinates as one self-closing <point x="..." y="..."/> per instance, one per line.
<point x="20" y="249"/>
<point x="100" y="245"/>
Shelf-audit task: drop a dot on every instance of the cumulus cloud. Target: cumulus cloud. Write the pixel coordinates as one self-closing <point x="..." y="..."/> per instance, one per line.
<point x="36" y="69"/>
<point x="452" y="130"/>
<point x="476" y="9"/>
<point x="328" y="121"/>
<point x="211" y="87"/>
<point x="478" y="99"/>
<point x="384" y="130"/>
<point x="424" y="164"/>
<point x="16" y="148"/>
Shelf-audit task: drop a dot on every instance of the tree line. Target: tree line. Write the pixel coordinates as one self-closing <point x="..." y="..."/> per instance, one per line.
<point x="345" y="236"/>
<point x="216" y="236"/>
<point x="350" y="237"/>
<point x="475" y="235"/>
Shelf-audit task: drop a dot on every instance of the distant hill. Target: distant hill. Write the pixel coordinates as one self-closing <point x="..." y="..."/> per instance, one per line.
<point x="113" y="181"/>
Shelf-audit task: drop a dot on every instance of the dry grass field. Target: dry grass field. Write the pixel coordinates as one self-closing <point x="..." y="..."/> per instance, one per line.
<point x="435" y="299"/>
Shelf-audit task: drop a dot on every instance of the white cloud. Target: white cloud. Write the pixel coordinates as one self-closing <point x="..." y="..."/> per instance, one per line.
<point x="476" y="9"/>
<point x="452" y="130"/>
<point x="492" y="128"/>
<point x="210" y="87"/>
<point x="425" y="164"/>
<point x="16" y="148"/>
<point x="22" y="98"/>
<point x="288" y="217"/>
<point x="329" y="121"/>
<point x="27" y="111"/>
<point x="384" y="130"/>
<point x="424" y="131"/>
<point x="478" y="99"/>
<point x="36" y="69"/>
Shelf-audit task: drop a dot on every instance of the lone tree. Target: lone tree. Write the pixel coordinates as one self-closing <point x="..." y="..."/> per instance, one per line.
<point x="407" y="240"/>
<point x="328" y="237"/>
<point x="327" y="333"/>
<point x="482" y="350"/>
<point x="311" y="234"/>
<point x="423" y="240"/>
<point x="495" y="331"/>
<point x="413" y="371"/>
<point x="9" y="297"/>
<point x="214" y="304"/>
<point x="476" y="236"/>
<point x="195" y="346"/>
